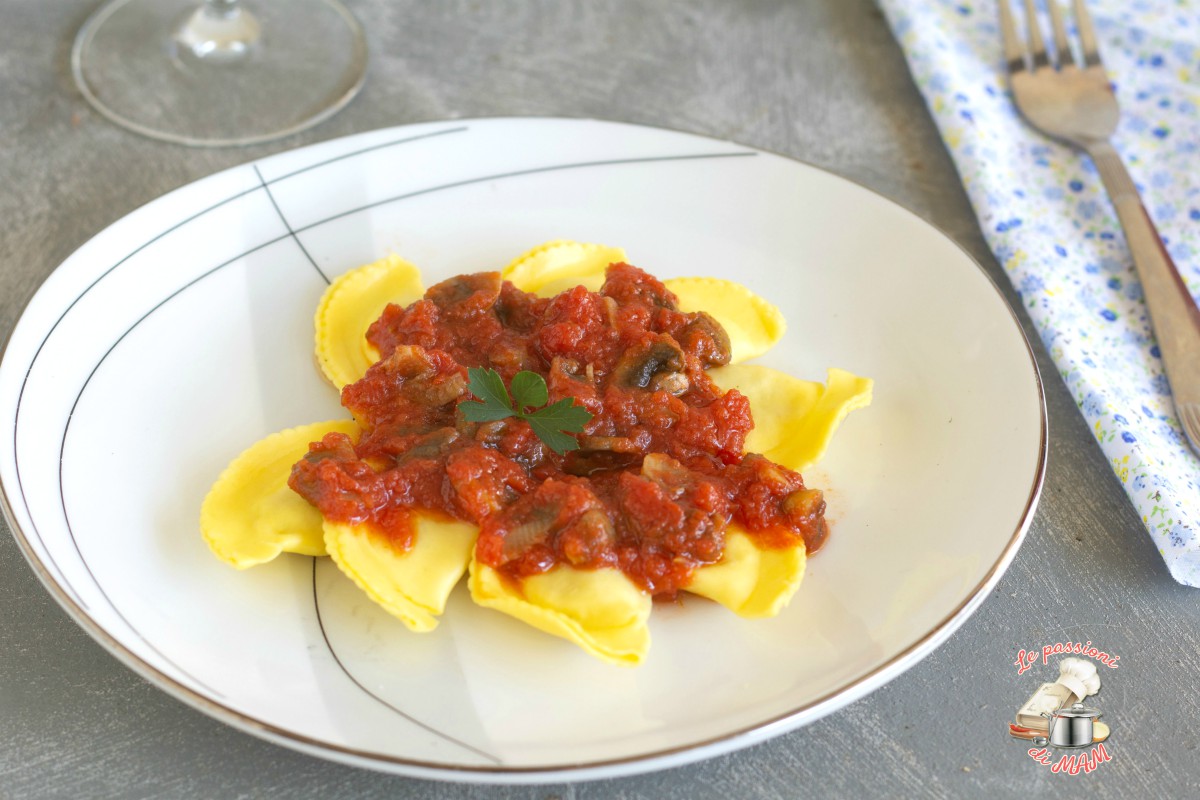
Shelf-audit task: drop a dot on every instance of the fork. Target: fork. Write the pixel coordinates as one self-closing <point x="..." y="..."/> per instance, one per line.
<point x="1074" y="102"/>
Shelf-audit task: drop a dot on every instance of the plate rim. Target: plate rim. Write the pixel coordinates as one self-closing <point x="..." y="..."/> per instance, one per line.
<point x="678" y="755"/>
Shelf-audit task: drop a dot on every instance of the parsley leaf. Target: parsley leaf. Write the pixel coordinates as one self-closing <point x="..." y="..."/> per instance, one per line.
<point x="556" y="440"/>
<point x="475" y="411"/>
<point x="529" y="389"/>
<point x="553" y="424"/>
<point x="488" y="386"/>
<point x="564" y="415"/>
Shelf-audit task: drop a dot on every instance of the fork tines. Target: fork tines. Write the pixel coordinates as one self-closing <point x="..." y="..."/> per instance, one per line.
<point x="1019" y="57"/>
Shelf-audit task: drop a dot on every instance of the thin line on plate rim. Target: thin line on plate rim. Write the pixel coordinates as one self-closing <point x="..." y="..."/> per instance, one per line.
<point x="741" y="737"/>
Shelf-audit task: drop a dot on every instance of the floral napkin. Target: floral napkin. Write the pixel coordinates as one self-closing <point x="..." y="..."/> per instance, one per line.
<point x="1044" y="213"/>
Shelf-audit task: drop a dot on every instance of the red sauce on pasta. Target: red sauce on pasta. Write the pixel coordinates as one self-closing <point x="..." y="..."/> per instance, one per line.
<point x="660" y="472"/>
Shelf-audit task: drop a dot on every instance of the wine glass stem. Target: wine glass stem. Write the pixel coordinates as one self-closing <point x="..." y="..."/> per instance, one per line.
<point x="218" y="32"/>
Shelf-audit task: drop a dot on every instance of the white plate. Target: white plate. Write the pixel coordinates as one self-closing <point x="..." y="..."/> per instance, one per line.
<point x="183" y="333"/>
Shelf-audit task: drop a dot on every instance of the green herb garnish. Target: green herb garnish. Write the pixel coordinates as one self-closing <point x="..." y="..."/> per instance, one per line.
<point x="553" y="424"/>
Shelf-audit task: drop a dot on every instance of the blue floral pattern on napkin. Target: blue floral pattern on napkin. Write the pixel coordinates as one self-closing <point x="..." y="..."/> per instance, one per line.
<point x="1045" y="215"/>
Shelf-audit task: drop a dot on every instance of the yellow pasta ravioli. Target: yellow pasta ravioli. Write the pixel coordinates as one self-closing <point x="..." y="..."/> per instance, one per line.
<point x="794" y="420"/>
<point x="350" y="305"/>
<point x="602" y="610"/>
<point x="556" y="266"/>
<point x="412" y="585"/>
<point x="250" y="515"/>
<point x="749" y="580"/>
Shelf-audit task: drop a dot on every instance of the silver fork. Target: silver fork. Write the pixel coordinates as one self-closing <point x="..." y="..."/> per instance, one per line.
<point x="1075" y="103"/>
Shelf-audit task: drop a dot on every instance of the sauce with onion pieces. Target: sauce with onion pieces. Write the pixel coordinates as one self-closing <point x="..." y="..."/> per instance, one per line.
<point x="660" y="472"/>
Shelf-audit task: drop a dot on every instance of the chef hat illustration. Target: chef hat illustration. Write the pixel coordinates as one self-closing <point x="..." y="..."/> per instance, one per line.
<point x="1080" y="676"/>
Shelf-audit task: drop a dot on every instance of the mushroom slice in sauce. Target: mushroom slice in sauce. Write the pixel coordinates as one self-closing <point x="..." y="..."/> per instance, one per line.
<point x="658" y="366"/>
<point x="466" y="293"/>
<point x="704" y="338"/>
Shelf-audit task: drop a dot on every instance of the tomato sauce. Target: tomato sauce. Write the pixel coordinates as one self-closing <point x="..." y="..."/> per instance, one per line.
<point x="660" y="472"/>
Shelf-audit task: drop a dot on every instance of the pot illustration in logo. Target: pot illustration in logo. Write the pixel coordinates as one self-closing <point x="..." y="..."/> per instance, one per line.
<point x="1056" y="715"/>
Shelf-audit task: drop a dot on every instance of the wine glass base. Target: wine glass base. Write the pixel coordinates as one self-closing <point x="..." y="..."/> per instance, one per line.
<point x="132" y="66"/>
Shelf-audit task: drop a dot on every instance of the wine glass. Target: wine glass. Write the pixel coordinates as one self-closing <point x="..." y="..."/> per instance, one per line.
<point x="219" y="72"/>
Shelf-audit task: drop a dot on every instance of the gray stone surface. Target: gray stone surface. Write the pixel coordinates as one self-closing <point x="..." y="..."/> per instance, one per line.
<point x="821" y="80"/>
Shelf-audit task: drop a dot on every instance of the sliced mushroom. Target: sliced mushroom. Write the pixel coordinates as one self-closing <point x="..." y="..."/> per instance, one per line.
<point x="516" y="309"/>
<point x="612" y="444"/>
<point x="408" y="362"/>
<point x="675" y="383"/>
<point x="588" y="462"/>
<point x="431" y="445"/>
<point x="535" y="528"/>
<point x="706" y="339"/>
<point x="628" y="284"/>
<point x="568" y="367"/>
<point x="440" y="392"/>
<point x="805" y="509"/>
<point x="666" y="472"/>
<point x="602" y="454"/>
<point x="804" y="503"/>
<point x="778" y="478"/>
<point x="483" y="481"/>
<point x="593" y="532"/>
<point x="537" y="519"/>
<point x="652" y="367"/>
<point x="466" y="292"/>
<point x="660" y="465"/>
<point x="486" y="432"/>
<point x="412" y="367"/>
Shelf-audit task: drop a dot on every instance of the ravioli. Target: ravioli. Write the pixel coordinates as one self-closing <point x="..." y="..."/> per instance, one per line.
<point x="412" y="585"/>
<point x="750" y="581"/>
<point x="794" y="420"/>
<point x="753" y="324"/>
<point x="556" y="266"/>
<point x="250" y="515"/>
<point x="350" y="305"/>
<point x="602" y="610"/>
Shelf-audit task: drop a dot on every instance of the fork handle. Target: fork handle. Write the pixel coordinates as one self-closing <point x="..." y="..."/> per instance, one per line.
<point x="1173" y="313"/>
